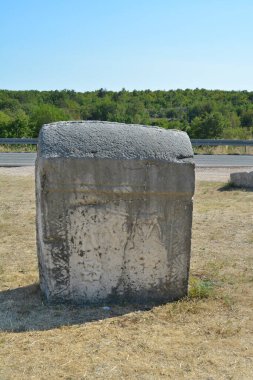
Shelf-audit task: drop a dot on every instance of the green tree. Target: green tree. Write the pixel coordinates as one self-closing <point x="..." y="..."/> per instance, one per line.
<point x="45" y="114"/>
<point x="247" y="118"/>
<point x="19" y="126"/>
<point x="208" y="126"/>
<point x="5" y="122"/>
<point x="136" y="112"/>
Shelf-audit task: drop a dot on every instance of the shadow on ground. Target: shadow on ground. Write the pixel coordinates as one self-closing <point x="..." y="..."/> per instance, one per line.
<point x="23" y="309"/>
<point x="230" y="187"/>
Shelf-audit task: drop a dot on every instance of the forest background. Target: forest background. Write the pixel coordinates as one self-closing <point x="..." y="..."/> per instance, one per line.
<point x="201" y="113"/>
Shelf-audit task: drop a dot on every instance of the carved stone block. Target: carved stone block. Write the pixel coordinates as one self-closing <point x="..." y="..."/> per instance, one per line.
<point x="114" y="212"/>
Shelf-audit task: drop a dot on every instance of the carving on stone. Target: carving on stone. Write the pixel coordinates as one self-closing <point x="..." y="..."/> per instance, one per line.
<point x="95" y="250"/>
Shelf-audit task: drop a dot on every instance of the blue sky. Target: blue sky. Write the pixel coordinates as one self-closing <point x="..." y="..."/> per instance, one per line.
<point x="137" y="44"/>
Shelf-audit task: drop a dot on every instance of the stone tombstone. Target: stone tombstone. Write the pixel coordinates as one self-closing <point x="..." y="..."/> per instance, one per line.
<point x="114" y="212"/>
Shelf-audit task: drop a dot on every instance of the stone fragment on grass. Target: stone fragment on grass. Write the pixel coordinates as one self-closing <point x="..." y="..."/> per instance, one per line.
<point x="242" y="179"/>
<point x="114" y="212"/>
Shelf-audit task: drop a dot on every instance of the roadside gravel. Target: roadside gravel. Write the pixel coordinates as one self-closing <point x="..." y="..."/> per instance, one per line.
<point x="218" y="174"/>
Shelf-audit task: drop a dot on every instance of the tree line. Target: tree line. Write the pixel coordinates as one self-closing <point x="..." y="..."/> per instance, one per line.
<point x="201" y="113"/>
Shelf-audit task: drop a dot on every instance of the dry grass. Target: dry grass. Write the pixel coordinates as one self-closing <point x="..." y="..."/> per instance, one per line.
<point x="206" y="336"/>
<point x="223" y="149"/>
<point x="6" y="148"/>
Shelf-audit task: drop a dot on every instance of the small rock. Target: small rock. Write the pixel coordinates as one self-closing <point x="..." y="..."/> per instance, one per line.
<point x="106" y="308"/>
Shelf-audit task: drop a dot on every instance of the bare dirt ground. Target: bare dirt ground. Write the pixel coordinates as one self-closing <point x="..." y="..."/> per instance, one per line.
<point x="208" y="335"/>
<point x="19" y="171"/>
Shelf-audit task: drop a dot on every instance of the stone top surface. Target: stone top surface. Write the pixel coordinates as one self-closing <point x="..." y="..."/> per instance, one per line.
<point x="107" y="140"/>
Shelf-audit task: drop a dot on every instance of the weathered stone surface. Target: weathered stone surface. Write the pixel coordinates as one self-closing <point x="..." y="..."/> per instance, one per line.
<point x="114" y="212"/>
<point x="242" y="179"/>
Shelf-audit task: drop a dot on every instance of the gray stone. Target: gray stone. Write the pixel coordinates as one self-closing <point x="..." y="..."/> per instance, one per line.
<point x="114" y="212"/>
<point x="242" y="179"/>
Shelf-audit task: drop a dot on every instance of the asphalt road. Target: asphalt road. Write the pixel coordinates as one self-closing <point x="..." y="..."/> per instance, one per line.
<point x="201" y="160"/>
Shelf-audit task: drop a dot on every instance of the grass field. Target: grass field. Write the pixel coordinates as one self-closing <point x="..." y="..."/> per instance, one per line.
<point x="205" y="336"/>
<point x="197" y="150"/>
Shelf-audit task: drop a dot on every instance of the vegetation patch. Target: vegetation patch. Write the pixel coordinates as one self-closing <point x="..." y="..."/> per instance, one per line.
<point x="8" y="148"/>
<point x="201" y="113"/>
<point x="200" y="288"/>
